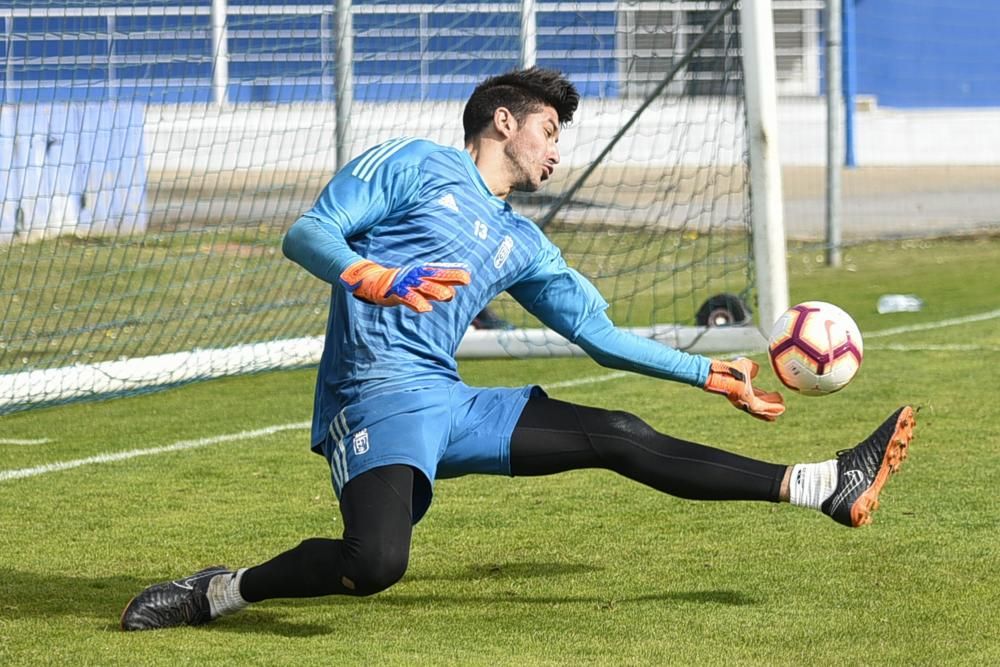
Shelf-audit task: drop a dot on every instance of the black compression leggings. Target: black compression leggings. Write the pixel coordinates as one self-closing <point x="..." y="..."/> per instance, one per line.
<point x="377" y="510"/>
<point x="554" y="436"/>
<point x="550" y="437"/>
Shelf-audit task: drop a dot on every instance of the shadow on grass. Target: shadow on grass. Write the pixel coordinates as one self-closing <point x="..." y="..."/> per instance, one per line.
<point x="48" y="595"/>
<point x="24" y="594"/>
<point x="505" y="571"/>
<point x="723" y="597"/>
<point x="261" y="621"/>
<point x="339" y="613"/>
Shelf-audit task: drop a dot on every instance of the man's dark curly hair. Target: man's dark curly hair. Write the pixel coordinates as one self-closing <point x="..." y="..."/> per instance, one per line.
<point x="522" y="91"/>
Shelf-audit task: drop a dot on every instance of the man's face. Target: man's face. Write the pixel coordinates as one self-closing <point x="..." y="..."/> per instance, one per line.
<point x="532" y="150"/>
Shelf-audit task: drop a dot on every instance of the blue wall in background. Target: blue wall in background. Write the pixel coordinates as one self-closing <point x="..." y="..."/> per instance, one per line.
<point x="72" y="168"/>
<point x="286" y="57"/>
<point x="929" y="53"/>
<point x="910" y="53"/>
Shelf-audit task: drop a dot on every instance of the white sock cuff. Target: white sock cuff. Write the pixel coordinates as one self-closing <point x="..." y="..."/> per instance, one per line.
<point x="224" y="594"/>
<point x="812" y="483"/>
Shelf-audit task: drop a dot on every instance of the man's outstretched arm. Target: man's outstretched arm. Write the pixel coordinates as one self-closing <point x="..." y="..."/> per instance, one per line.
<point x="570" y="304"/>
<point x="614" y="348"/>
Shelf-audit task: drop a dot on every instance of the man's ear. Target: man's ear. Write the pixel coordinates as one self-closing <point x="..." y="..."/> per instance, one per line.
<point x="504" y="122"/>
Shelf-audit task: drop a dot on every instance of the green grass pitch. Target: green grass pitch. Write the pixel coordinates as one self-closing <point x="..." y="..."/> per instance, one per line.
<point x="583" y="568"/>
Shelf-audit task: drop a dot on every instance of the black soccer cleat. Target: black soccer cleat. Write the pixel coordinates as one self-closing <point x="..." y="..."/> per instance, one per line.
<point x="172" y="603"/>
<point x="863" y="470"/>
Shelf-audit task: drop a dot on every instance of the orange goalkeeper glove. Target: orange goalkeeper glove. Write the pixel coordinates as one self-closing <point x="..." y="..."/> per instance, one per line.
<point x="732" y="379"/>
<point x="413" y="286"/>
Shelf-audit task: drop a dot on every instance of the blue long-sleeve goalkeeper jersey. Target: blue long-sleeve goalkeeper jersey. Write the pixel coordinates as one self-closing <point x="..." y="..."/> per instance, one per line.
<point x="411" y="201"/>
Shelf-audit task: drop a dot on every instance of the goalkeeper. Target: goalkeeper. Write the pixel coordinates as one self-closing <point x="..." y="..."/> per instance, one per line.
<point x="415" y="239"/>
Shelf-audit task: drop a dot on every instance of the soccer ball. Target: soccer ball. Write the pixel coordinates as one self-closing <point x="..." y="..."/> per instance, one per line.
<point x="815" y="348"/>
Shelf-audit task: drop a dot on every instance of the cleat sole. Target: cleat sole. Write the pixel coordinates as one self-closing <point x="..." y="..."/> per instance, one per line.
<point x="895" y="453"/>
<point x="121" y="619"/>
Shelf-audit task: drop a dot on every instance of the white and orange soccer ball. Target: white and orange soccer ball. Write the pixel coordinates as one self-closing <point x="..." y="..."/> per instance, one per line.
<point x="815" y="348"/>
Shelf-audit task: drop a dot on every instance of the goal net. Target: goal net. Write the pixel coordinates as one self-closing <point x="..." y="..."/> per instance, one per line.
<point x="152" y="155"/>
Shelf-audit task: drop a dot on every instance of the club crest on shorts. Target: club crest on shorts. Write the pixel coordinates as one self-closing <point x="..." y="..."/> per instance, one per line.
<point x="360" y="442"/>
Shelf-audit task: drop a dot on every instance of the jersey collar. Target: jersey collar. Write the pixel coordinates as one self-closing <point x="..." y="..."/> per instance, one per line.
<point x="480" y="182"/>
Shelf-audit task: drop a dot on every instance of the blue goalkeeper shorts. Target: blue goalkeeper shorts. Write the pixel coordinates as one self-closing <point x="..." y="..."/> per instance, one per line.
<point x="443" y="432"/>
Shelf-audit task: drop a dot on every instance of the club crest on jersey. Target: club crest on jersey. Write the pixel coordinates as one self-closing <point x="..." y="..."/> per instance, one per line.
<point x="503" y="252"/>
<point x="360" y="442"/>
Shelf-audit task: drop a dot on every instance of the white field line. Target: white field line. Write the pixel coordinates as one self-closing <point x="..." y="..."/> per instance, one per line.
<point x="925" y="326"/>
<point x="25" y="442"/>
<point x="6" y="475"/>
<point x="590" y="379"/>
<point x="944" y="347"/>
<point x="940" y="324"/>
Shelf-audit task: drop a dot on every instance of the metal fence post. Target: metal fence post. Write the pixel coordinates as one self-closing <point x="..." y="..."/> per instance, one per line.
<point x="529" y="33"/>
<point x="834" y="131"/>
<point x="220" y="53"/>
<point x="344" y="79"/>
